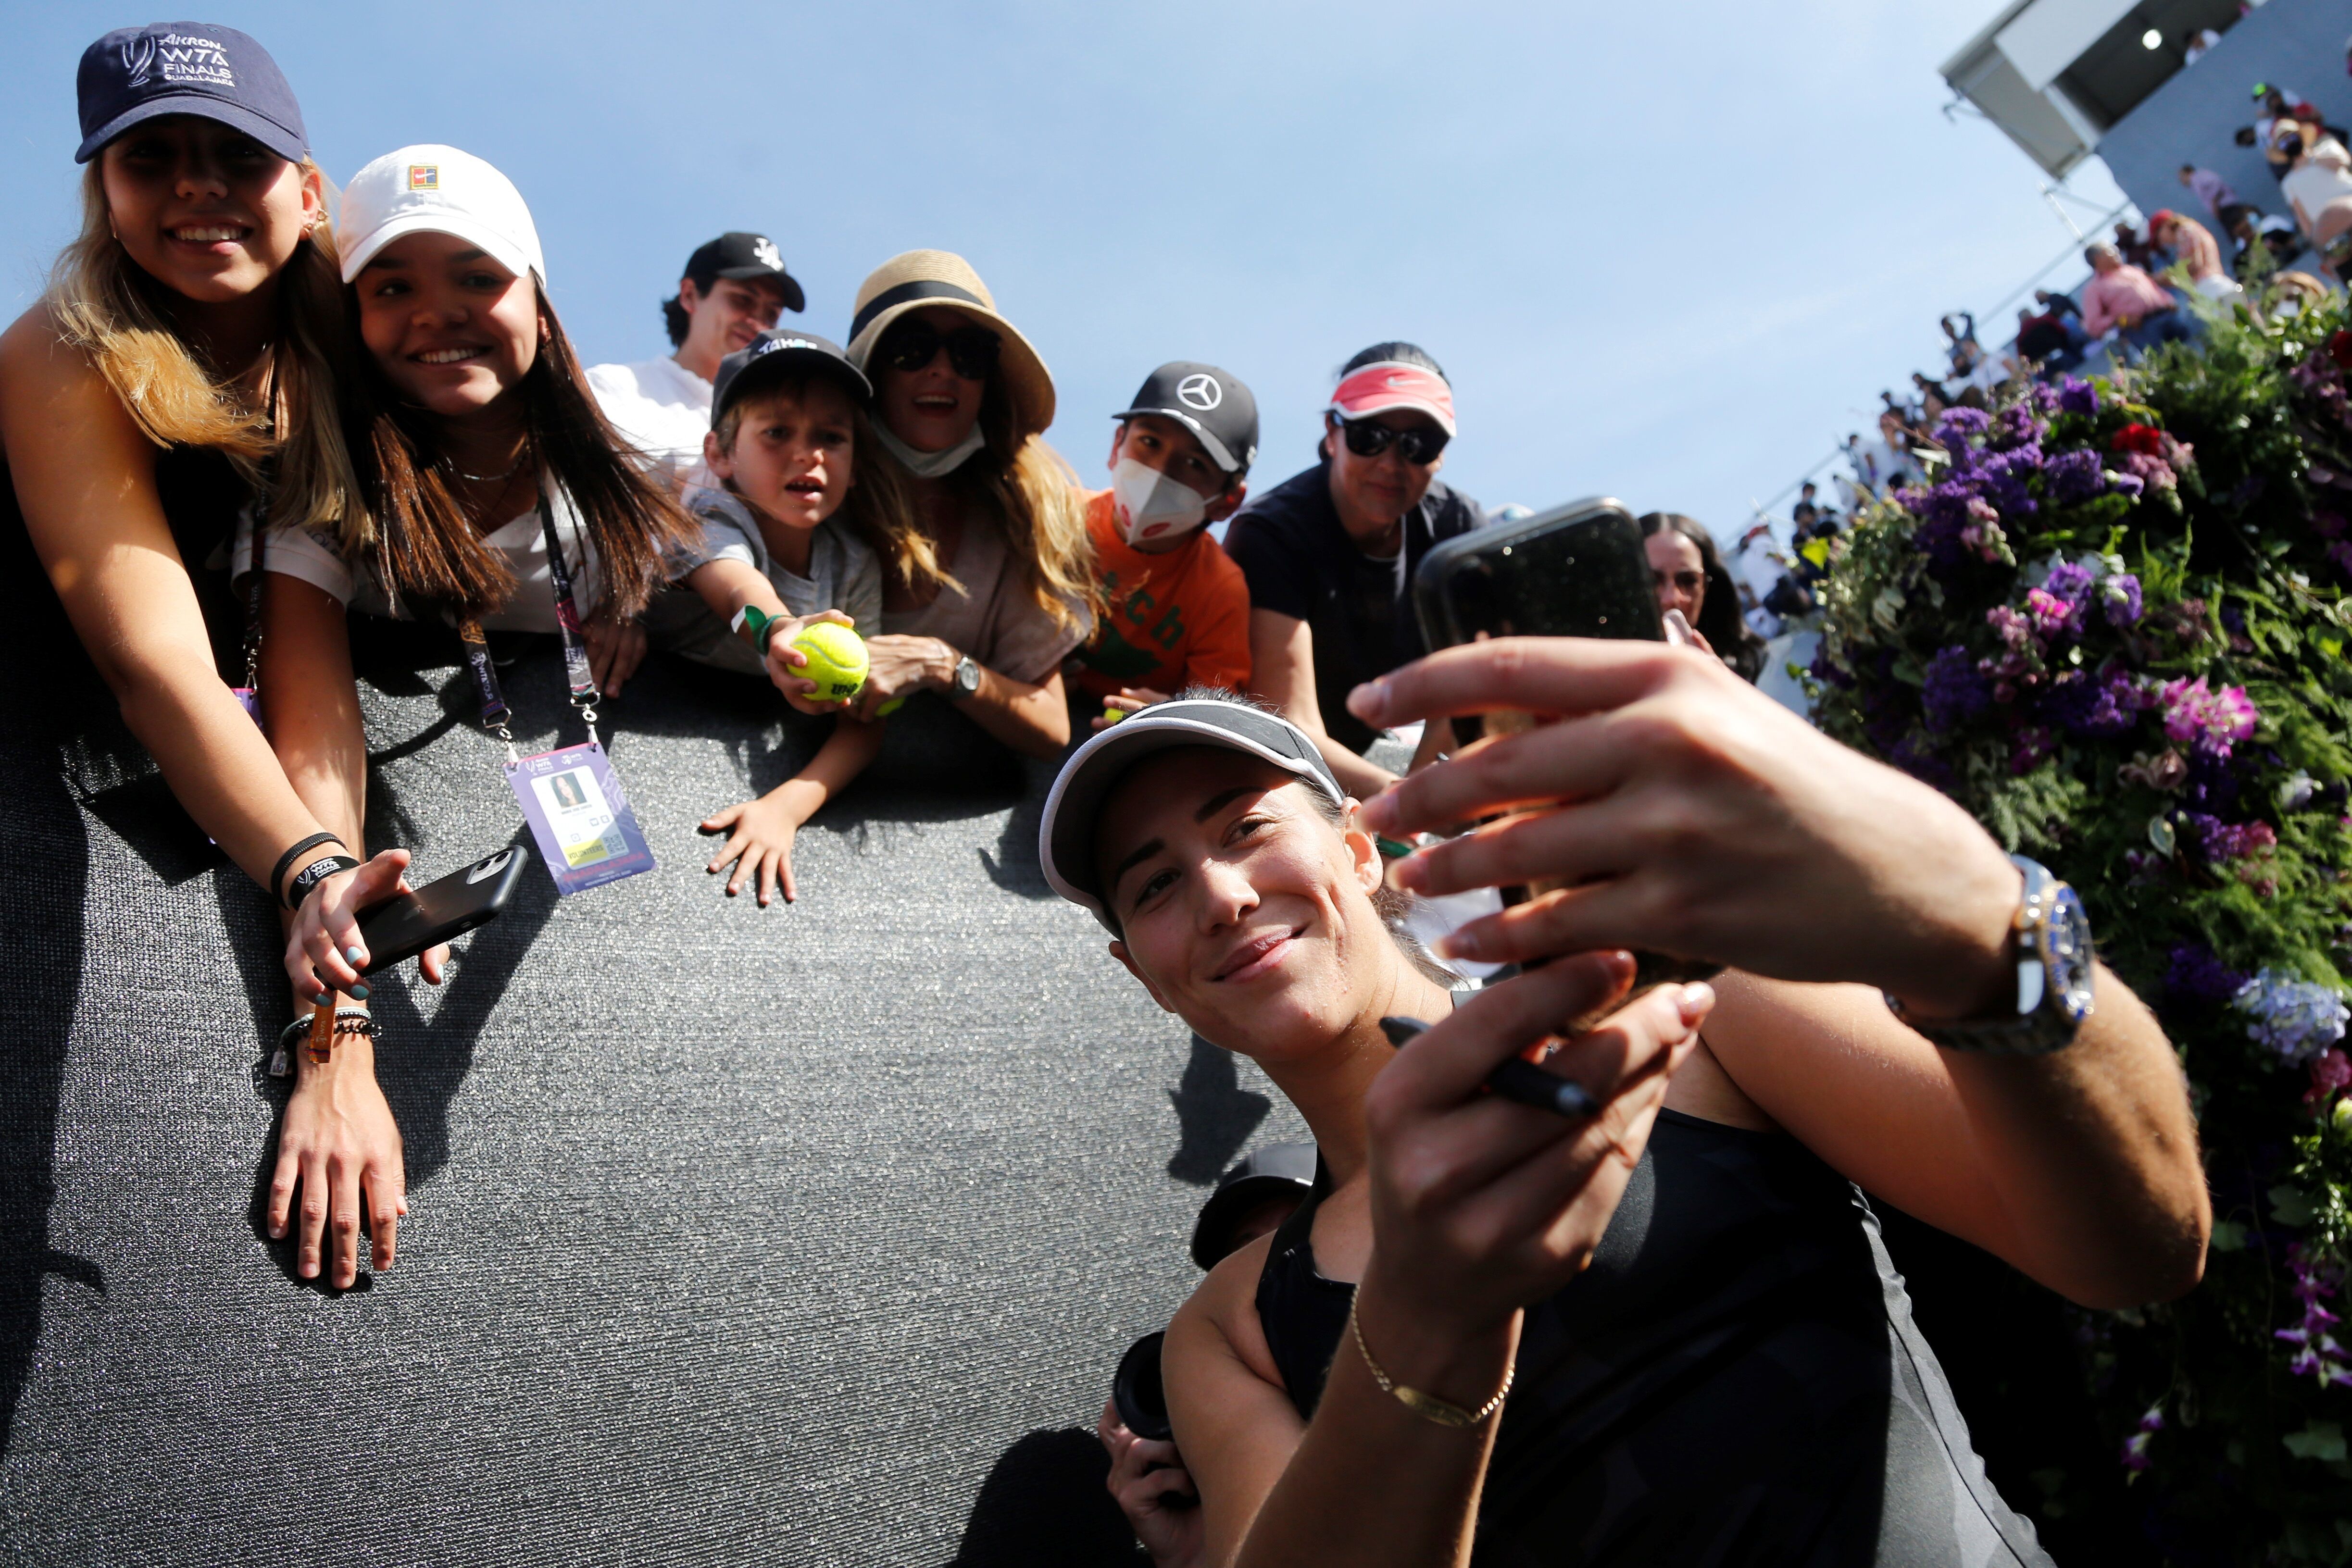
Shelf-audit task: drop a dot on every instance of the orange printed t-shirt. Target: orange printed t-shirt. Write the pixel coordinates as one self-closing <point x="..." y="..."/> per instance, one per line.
<point x="1173" y="621"/>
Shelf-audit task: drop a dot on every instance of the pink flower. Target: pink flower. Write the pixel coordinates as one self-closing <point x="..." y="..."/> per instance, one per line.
<point x="2051" y="614"/>
<point x="2211" y="720"/>
<point x="2332" y="1071"/>
<point x="2015" y="630"/>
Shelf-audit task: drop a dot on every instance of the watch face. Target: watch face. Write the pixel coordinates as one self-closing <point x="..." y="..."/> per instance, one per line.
<point x="2066" y="953"/>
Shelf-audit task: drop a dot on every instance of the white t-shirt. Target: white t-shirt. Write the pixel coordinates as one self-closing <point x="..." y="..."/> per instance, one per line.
<point x="663" y="409"/>
<point x="296" y="552"/>
<point x="2318" y="185"/>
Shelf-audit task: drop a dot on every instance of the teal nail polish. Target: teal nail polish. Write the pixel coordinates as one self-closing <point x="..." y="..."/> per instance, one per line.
<point x="359" y="993"/>
<point x="355" y="955"/>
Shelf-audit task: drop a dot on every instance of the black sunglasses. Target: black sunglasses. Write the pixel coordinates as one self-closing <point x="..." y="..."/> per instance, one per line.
<point x="912" y="343"/>
<point x="1368" y="438"/>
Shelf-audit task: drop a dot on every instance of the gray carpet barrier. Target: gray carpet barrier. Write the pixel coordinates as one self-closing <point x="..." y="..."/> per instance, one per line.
<point x="809" y="1234"/>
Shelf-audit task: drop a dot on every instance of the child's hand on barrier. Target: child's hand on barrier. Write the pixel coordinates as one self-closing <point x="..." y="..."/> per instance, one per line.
<point x="759" y="845"/>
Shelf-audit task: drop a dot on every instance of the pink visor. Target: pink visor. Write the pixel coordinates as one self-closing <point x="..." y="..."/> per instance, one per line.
<point x="1394" y="384"/>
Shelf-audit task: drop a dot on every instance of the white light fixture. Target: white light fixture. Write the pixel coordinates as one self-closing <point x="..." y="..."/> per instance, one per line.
<point x="2151" y="39"/>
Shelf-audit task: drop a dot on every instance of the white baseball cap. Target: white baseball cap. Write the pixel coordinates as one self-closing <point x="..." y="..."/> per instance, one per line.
<point x="432" y="189"/>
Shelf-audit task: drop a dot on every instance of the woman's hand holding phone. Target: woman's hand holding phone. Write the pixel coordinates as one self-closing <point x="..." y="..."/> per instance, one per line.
<point x="1690" y="814"/>
<point x="324" y="947"/>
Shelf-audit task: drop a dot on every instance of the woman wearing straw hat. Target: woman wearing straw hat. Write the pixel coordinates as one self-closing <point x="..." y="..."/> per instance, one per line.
<point x="988" y="585"/>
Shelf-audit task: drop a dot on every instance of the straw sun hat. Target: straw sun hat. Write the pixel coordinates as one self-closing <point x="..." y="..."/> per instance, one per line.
<point x="928" y="279"/>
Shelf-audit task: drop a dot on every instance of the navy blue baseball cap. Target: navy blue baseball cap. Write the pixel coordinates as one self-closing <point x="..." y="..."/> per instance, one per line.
<point x="772" y="350"/>
<point x="135" y="74"/>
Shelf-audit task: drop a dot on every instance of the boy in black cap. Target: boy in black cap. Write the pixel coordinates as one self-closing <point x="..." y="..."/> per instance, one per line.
<point x="1176" y="608"/>
<point x="733" y="290"/>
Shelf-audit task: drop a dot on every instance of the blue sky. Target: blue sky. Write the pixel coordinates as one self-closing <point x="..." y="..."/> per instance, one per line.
<point x="1669" y="253"/>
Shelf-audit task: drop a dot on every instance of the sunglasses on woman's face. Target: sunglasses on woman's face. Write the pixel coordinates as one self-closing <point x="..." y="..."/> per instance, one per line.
<point x="1369" y="438"/>
<point x="912" y="344"/>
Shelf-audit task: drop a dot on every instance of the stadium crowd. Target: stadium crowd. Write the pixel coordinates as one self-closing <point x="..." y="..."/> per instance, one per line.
<point x="383" y="417"/>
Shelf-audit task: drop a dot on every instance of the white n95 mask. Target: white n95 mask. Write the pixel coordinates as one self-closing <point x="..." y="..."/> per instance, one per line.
<point x="1151" y="507"/>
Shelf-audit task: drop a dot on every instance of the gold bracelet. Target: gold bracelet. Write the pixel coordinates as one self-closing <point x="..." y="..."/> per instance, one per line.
<point x="1428" y="1407"/>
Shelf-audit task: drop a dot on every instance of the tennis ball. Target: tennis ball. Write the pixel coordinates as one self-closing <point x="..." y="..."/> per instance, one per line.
<point x="1113" y="714"/>
<point x="836" y="661"/>
<point x="886" y="709"/>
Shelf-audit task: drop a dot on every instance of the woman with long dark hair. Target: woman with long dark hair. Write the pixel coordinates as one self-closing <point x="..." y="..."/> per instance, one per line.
<point x="467" y="415"/>
<point x="1691" y="577"/>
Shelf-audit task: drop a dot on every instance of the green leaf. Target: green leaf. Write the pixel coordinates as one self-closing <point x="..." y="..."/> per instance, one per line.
<point x="2228" y="1235"/>
<point x="2322" y="1440"/>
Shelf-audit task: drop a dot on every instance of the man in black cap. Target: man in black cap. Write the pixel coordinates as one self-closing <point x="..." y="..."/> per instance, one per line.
<point x="733" y="290"/>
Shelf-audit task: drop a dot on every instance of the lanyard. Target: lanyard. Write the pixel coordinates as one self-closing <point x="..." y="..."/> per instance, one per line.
<point x="253" y="592"/>
<point x="583" y="681"/>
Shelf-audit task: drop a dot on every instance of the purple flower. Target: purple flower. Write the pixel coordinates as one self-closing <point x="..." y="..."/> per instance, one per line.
<point x="1955" y="691"/>
<point x="1959" y="423"/>
<point x="2069" y="580"/>
<point x="2046" y="397"/>
<point x="2103" y="704"/>
<point x="2211" y="720"/>
<point x="2029" y="748"/>
<point x="2120" y="594"/>
<point x="2196" y="981"/>
<point x="2296" y="1019"/>
<point x="2073" y="477"/>
<point x="2124" y="485"/>
<point x="2076" y="395"/>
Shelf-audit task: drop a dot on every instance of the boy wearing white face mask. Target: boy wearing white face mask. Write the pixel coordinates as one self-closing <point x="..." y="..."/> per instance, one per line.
<point x="1177" y="611"/>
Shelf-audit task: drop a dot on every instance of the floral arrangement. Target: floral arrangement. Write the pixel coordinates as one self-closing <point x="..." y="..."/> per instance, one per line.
<point x="2113" y="624"/>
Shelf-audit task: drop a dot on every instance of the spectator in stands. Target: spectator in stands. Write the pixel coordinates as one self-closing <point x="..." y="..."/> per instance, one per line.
<point x="1961" y="343"/>
<point x="1691" y="577"/>
<point x="475" y="441"/>
<point x="2130" y="246"/>
<point x="1329" y="552"/>
<point x="734" y="288"/>
<point x="2050" y="340"/>
<point x="2277" y="237"/>
<point x="1933" y="399"/>
<point x="2192" y="246"/>
<point x="185" y="343"/>
<point x="2057" y="304"/>
<point x="2200" y="43"/>
<point x="990" y="585"/>
<point x="2121" y="298"/>
<point x="1323" y="1423"/>
<point x="1175" y="610"/>
<point x="1804" y="513"/>
<point x="802" y="491"/>
<point x="2318" y="188"/>
<point x="2210" y="188"/>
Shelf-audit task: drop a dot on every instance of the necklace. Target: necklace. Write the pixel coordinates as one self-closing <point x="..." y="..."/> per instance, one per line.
<point x="500" y="477"/>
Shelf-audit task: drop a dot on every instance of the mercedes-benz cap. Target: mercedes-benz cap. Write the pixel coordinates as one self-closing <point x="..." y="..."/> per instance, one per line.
<point x="744" y="255"/>
<point x="1065" y="840"/>
<point x="772" y="352"/>
<point x="1277" y="1170"/>
<point x="135" y="74"/>
<point x="1211" y="403"/>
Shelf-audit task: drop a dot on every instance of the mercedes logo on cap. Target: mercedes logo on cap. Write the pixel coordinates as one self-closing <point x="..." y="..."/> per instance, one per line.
<point x="1200" y="390"/>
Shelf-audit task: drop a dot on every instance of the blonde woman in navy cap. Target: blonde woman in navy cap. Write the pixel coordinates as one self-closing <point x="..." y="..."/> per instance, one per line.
<point x="179" y="359"/>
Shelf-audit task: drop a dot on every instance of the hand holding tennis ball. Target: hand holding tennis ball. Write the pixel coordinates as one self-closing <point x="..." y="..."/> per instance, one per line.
<point x="797" y="672"/>
<point x="835" y="660"/>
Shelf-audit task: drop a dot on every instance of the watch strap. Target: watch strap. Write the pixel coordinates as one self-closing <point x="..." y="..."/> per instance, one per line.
<point x="2043" y="1021"/>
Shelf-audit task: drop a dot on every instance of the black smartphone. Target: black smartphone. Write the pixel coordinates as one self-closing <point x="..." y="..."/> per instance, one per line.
<point x="406" y="924"/>
<point x="1578" y="570"/>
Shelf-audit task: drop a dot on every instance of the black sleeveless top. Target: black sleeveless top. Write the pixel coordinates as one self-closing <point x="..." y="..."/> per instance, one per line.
<point x="58" y="697"/>
<point x="1736" y="1379"/>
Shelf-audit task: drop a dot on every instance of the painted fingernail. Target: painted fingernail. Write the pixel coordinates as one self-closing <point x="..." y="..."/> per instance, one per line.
<point x="320" y="999"/>
<point x="358" y="993"/>
<point x="355" y="955"/>
<point x="1697" y="1000"/>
